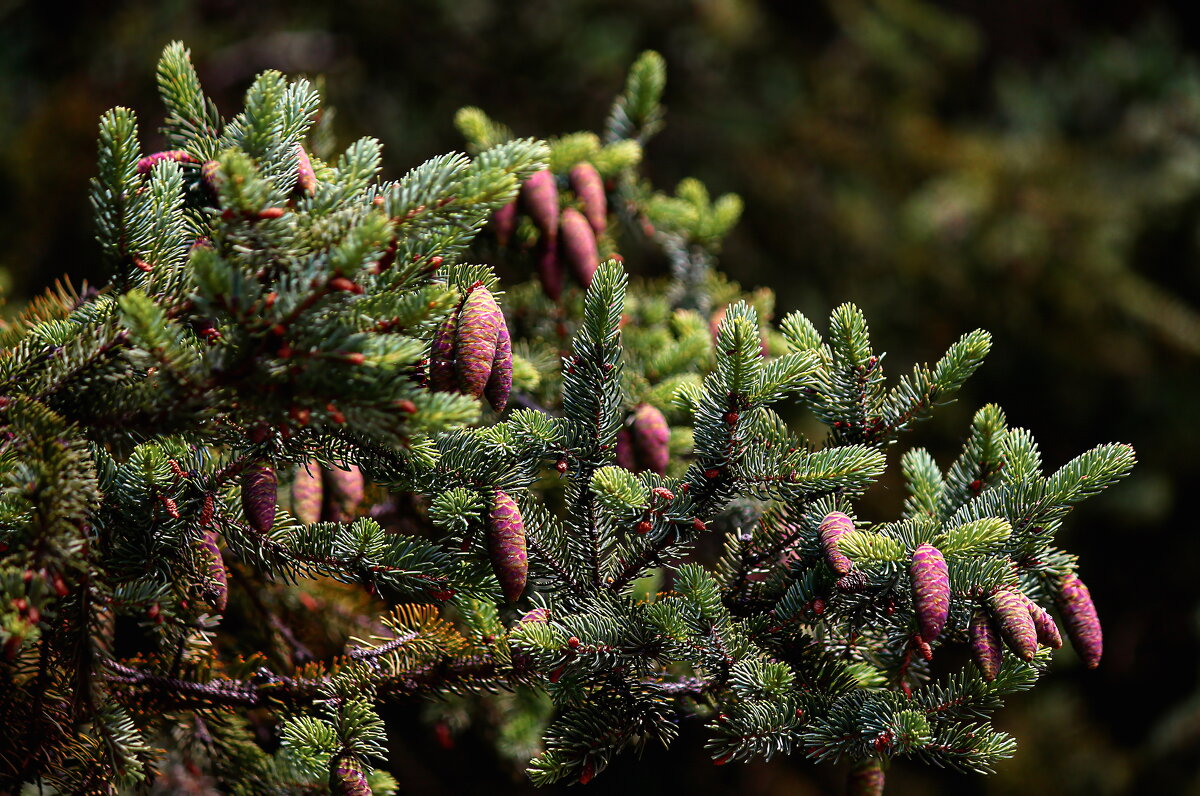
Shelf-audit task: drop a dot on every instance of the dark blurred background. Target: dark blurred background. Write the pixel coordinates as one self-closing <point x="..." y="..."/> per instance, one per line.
<point x="1029" y="167"/>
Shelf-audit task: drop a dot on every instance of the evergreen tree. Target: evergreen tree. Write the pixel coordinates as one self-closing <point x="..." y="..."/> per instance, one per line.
<point x="302" y="457"/>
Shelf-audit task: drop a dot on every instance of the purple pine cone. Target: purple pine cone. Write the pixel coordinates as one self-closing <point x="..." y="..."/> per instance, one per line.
<point x="258" y="496"/>
<point x="346" y="488"/>
<point x="441" y="356"/>
<point x="506" y="546"/>
<point x="1016" y="625"/>
<point x="589" y="187"/>
<point x="549" y="269"/>
<point x="504" y="222"/>
<point x="1082" y="623"/>
<point x="985" y="645"/>
<point x="625" y="457"/>
<point x="651" y="438"/>
<point x="147" y="164"/>
<point x="306" y="178"/>
<point x="579" y="246"/>
<point x="215" y="588"/>
<point x="347" y="777"/>
<point x="866" y="778"/>
<point x="479" y="323"/>
<point x="931" y="590"/>
<point x="500" y="382"/>
<point x="833" y="527"/>
<point x="539" y="195"/>
<point x="307" y="493"/>
<point x="1043" y="625"/>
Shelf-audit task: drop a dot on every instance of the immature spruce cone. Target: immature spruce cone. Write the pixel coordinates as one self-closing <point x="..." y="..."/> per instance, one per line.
<point x="579" y="246"/>
<point x="499" y="384"/>
<point x="833" y="527"/>
<point x="306" y="178"/>
<point x="931" y="590"/>
<point x="625" y="455"/>
<point x="479" y="323"/>
<point x="1082" y="623"/>
<point x="651" y="438"/>
<point x="589" y="187"/>
<point x="147" y="164"/>
<point x="504" y="222"/>
<point x="539" y="195"/>
<point x="549" y="267"/>
<point x="506" y="546"/>
<point x="215" y="586"/>
<point x="985" y="645"/>
<point x="347" y="777"/>
<point x="346" y="488"/>
<point x="258" y="496"/>
<point x="1043" y="625"/>
<point x="442" y="377"/>
<point x="866" y="778"/>
<point x="1016" y="624"/>
<point x="307" y="492"/>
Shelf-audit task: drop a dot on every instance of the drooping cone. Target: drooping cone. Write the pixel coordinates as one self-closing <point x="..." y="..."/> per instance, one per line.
<point x="307" y="492"/>
<point x="866" y="778"/>
<point x="834" y="527"/>
<point x="539" y="195"/>
<point x="625" y="457"/>
<point x="442" y="377"/>
<point x="985" y="645"/>
<point x="1043" y="625"/>
<point x="346" y="488"/>
<point x="479" y="324"/>
<point x="504" y="222"/>
<point x="506" y="545"/>
<point x="549" y="268"/>
<point x="499" y="384"/>
<point x="589" y="187"/>
<point x="306" y="178"/>
<point x="215" y="580"/>
<point x="258" y="496"/>
<point x="931" y="590"/>
<point x="347" y="778"/>
<point x="1016" y="624"/>
<point x="579" y="246"/>
<point x="651" y="438"/>
<point x="1082" y="623"/>
<point x="147" y="164"/>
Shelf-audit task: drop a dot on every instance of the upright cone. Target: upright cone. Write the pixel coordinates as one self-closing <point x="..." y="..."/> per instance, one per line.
<point x="499" y="384"/>
<point x="833" y="528"/>
<point x="589" y="187"/>
<point x="539" y="195"/>
<point x="479" y="323"/>
<point x="579" y="246"/>
<point x="651" y="438"/>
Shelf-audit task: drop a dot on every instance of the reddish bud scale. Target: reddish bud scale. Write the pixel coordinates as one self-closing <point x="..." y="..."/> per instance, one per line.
<point x="651" y="438"/>
<point x="833" y="528"/>
<point x="539" y="195"/>
<point x="504" y="222"/>
<point x="579" y="246"/>
<point x="441" y="356"/>
<point x="922" y="647"/>
<point x="215" y="583"/>
<point x="307" y="493"/>
<point x="985" y="645"/>
<point x="306" y="178"/>
<point x="258" y="496"/>
<point x="625" y="457"/>
<point x="931" y="590"/>
<point x="1016" y="625"/>
<point x="346" y="488"/>
<point x="499" y="384"/>
<point x="347" y="777"/>
<point x="866" y="778"/>
<point x="146" y="164"/>
<point x="698" y="524"/>
<point x="662" y="493"/>
<point x="1081" y="621"/>
<point x="479" y="323"/>
<point x="506" y="545"/>
<point x="644" y="526"/>
<point x="589" y="187"/>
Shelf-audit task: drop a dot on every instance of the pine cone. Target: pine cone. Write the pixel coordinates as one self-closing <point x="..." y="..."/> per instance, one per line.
<point x="1016" y="625"/>
<point x="441" y="356"/>
<point x="499" y="384"/>
<point x="985" y="645"/>
<point x="346" y="488"/>
<point x="347" y="777"/>
<point x="579" y="246"/>
<point x="539" y="195"/>
<point x="479" y="323"/>
<point x="307" y="493"/>
<point x="258" y="496"/>
<point x="833" y="527"/>
<point x="931" y="590"/>
<point x="866" y="778"/>
<point x="1043" y="625"/>
<point x="625" y="455"/>
<point x="1082" y="623"/>
<point x="506" y="546"/>
<point x="651" y="438"/>
<point x="589" y="187"/>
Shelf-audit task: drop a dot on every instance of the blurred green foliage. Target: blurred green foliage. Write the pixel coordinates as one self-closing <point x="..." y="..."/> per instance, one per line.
<point x="1033" y="169"/>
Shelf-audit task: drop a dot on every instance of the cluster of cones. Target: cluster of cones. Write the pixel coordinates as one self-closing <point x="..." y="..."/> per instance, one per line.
<point x="472" y="350"/>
